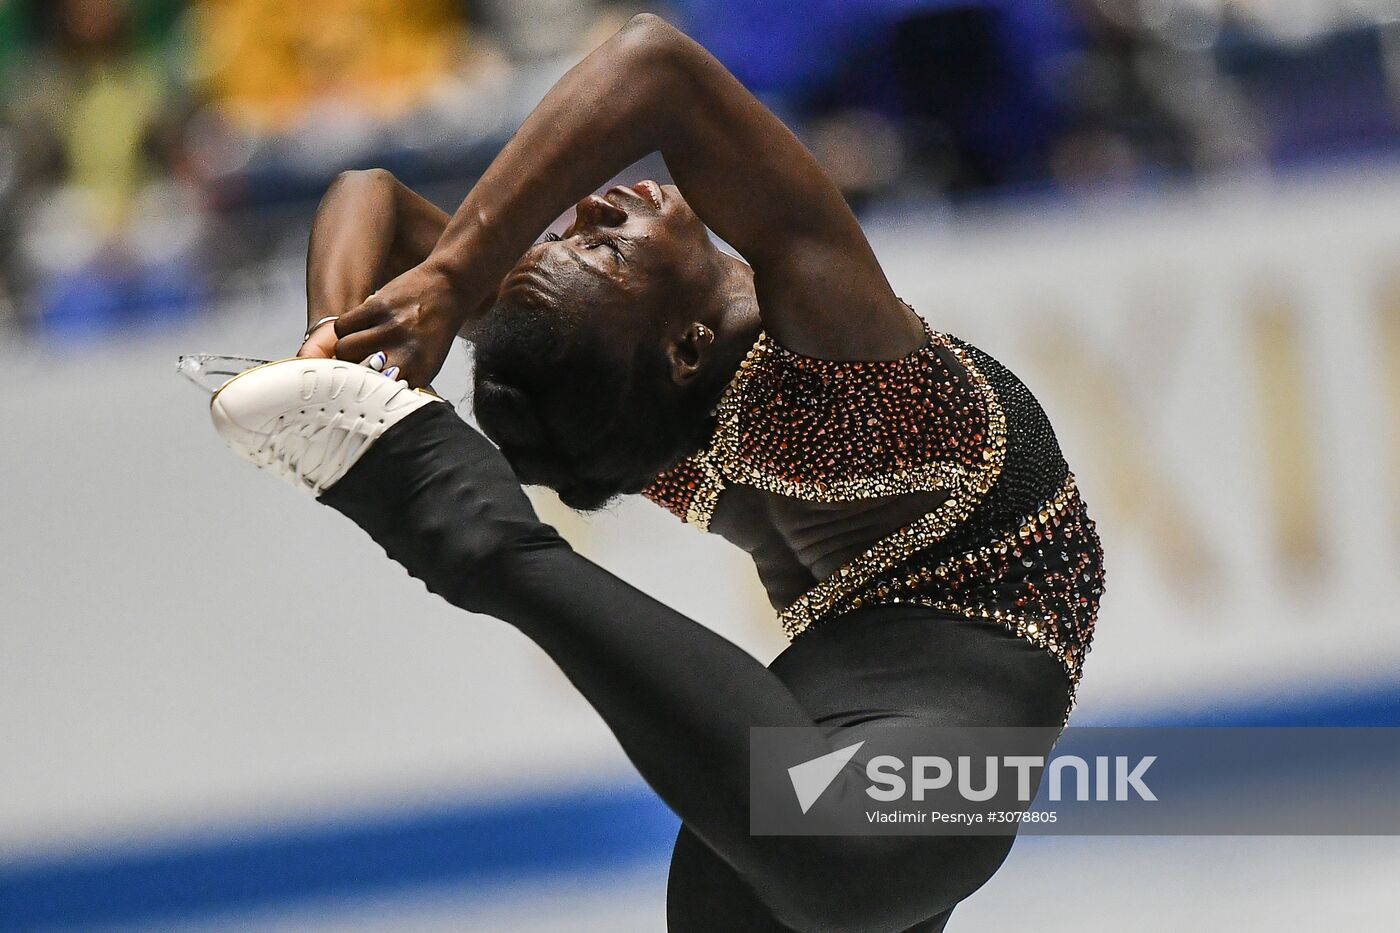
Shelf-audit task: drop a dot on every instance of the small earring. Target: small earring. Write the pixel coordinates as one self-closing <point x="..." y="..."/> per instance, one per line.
<point x="703" y="332"/>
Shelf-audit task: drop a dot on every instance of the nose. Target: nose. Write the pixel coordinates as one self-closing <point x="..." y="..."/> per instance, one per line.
<point x="598" y="211"/>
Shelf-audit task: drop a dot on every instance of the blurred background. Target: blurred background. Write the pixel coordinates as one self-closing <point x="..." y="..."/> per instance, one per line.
<point x="221" y="708"/>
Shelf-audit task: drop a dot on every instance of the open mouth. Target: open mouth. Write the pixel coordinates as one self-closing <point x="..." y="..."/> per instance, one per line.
<point x="651" y="191"/>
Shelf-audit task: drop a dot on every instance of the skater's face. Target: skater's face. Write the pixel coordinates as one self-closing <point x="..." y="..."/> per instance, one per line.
<point x="572" y="374"/>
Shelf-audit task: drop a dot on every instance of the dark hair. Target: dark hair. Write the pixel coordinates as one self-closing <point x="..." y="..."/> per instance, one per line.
<point x="616" y="416"/>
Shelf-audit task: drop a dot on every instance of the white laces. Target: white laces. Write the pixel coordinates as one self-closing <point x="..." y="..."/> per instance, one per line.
<point x="289" y="449"/>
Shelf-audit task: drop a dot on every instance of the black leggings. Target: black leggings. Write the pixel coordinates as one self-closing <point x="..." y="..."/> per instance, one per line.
<point x="444" y="503"/>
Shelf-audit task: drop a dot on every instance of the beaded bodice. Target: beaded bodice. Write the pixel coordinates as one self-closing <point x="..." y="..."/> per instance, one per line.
<point x="1010" y="541"/>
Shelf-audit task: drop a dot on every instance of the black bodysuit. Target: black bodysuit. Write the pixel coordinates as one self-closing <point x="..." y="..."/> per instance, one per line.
<point x="900" y="645"/>
<point x="1006" y="537"/>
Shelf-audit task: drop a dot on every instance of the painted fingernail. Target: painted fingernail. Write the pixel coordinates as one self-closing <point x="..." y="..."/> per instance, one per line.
<point x="392" y="372"/>
<point x="377" y="360"/>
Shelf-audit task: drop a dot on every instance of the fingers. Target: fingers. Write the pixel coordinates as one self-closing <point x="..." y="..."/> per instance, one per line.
<point x="320" y="345"/>
<point x="360" y="346"/>
<point x="370" y="313"/>
<point x="365" y="332"/>
<point x="377" y="362"/>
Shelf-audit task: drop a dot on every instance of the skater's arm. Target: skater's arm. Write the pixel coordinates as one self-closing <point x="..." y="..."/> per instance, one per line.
<point x="652" y="89"/>
<point x="368" y="229"/>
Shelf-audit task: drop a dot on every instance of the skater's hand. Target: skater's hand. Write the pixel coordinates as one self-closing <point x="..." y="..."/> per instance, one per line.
<point x="411" y="320"/>
<point x="320" y="343"/>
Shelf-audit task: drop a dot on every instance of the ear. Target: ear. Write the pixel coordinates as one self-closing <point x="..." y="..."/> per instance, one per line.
<point x="687" y="352"/>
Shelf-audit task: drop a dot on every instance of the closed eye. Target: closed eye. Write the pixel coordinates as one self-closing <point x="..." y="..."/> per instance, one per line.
<point x="595" y="242"/>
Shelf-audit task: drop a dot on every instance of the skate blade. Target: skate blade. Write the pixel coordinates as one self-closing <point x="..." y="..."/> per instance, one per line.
<point x="210" y="371"/>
